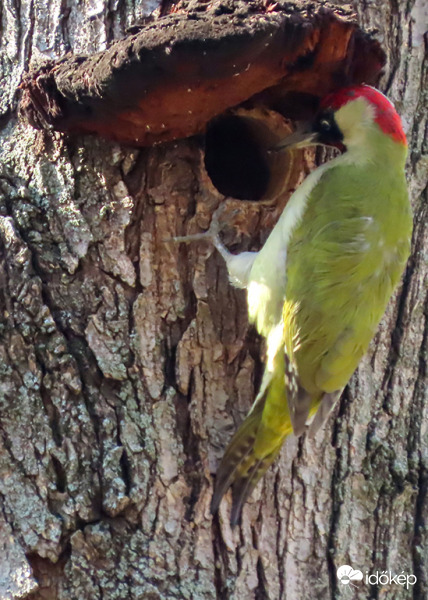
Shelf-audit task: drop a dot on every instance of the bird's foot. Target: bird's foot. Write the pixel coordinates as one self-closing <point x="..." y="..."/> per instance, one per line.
<point x="211" y="235"/>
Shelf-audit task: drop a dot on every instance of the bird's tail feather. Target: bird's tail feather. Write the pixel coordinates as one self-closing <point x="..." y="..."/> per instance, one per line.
<point x="236" y="455"/>
<point x="244" y="485"/>
<point x="251" y="451"/>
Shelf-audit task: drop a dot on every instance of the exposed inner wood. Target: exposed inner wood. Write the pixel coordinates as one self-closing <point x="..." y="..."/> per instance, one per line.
<point x="169" y="79"/>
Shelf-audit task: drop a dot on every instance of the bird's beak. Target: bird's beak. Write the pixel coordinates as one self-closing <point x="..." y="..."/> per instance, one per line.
<point x="300" y="138"/>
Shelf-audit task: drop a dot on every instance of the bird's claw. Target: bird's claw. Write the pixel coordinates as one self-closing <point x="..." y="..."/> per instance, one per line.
<point x="194" y="237"/>
<point x="211" y="235"/>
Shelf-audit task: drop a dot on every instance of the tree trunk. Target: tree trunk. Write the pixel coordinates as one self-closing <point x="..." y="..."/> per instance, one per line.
<point x="126" y="363"/>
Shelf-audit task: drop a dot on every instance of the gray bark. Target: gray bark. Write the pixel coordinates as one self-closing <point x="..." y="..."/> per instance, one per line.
<point x="126" y="363"/>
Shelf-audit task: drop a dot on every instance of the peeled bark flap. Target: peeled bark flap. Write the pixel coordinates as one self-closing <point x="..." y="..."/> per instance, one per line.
<point x="179" y="71"/>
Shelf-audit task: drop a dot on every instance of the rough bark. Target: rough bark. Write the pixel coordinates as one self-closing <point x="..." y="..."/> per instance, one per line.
<point x="126" y="363"/>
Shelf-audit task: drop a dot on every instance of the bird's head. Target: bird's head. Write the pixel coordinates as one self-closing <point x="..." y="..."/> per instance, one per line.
<point x="347" y="117"/>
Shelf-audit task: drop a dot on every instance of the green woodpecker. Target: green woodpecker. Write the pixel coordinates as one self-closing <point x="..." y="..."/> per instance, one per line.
<point x="320" y="285"/>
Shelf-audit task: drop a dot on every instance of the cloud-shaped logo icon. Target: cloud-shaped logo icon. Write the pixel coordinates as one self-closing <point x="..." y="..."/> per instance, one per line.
<point x="346" y="575"/>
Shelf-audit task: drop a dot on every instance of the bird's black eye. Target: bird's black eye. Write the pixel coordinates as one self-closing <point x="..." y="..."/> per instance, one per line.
<point x="326" y="128"/>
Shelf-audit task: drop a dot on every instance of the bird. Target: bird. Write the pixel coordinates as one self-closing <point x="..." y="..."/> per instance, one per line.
<point x="319" y="286"/>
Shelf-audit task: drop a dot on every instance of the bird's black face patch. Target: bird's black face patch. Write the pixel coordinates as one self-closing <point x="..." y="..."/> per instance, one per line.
<point x="327" y="129"/>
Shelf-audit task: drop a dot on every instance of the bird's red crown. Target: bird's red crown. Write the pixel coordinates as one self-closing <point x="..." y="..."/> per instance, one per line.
<point x="385" y="114"/>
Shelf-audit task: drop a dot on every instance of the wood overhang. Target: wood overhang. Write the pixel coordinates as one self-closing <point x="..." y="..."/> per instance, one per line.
<point x="168" y="80"/>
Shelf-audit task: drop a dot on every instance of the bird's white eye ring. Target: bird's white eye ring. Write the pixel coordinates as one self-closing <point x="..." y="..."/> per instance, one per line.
<point x="325" y="124"/>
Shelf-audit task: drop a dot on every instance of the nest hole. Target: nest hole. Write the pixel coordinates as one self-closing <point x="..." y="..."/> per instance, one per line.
<point x="238" y="158"/>
<point x="234" y="159"/>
